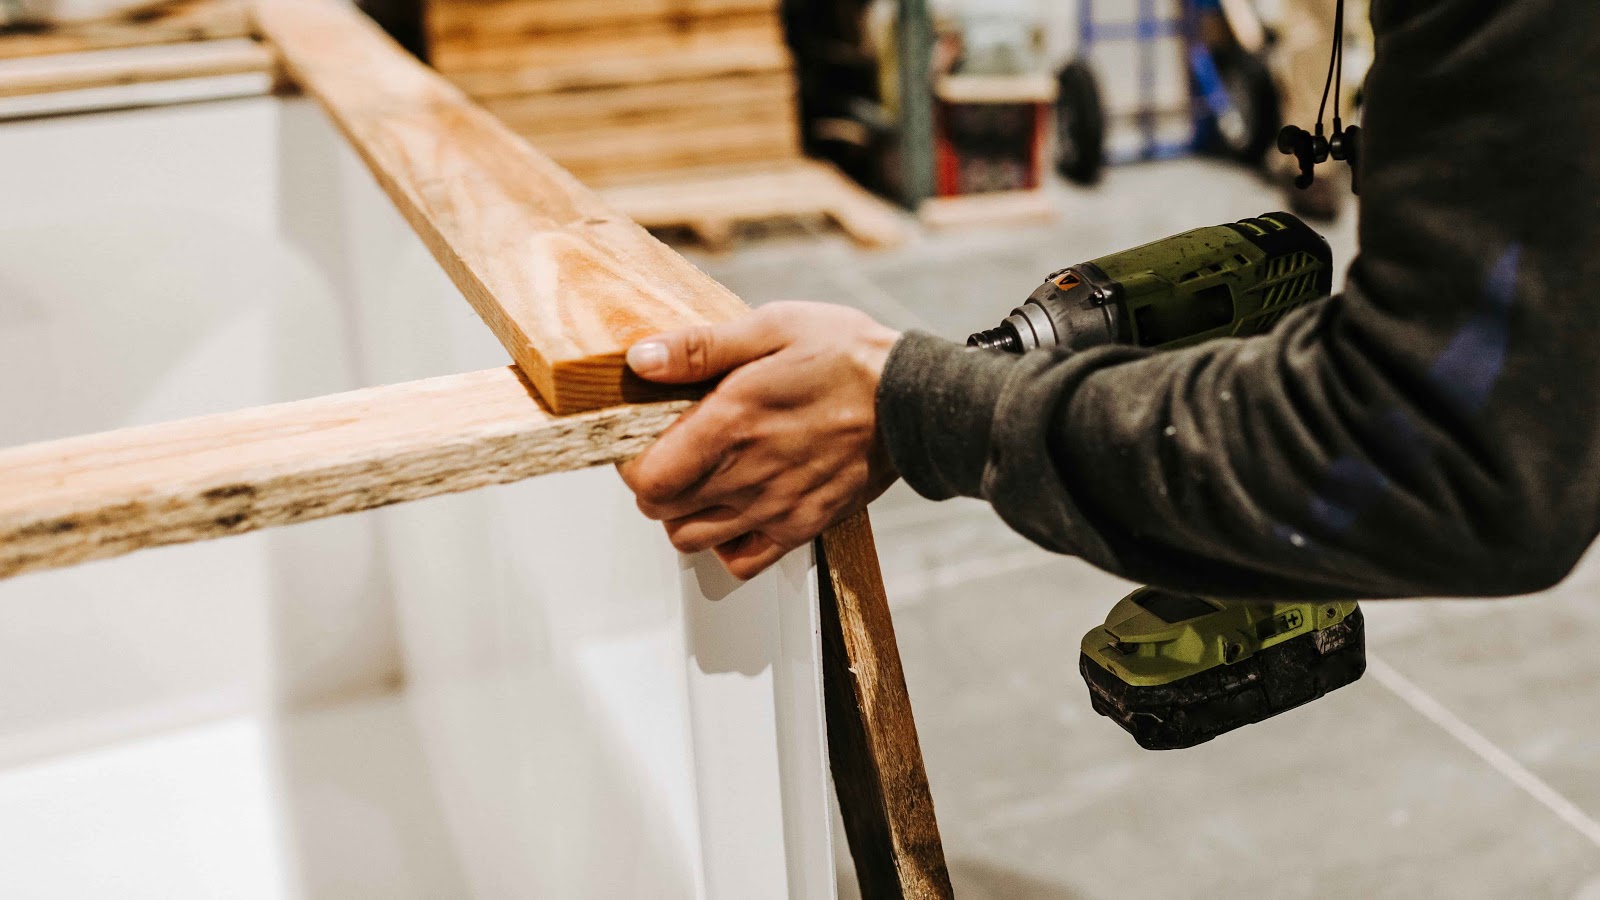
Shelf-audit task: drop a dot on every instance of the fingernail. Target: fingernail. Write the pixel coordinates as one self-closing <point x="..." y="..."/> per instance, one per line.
<point x="647" y="357"/>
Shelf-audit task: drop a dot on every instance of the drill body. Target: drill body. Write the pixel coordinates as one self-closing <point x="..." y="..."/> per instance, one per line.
<point x="1175" y="670"/>
<point x="1228" y="280"/>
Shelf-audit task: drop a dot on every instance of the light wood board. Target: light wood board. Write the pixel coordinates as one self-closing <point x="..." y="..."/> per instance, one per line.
<point x="479" y="22"/>
<point x="766" y="95"/>
<point x="31" y="75"/>
<point x="631" y="40"/>
<point x="702" y="53"/>
<point x="102" y="495"/>
<point x="1029" y="207"/>
<point x="166" y="22"/>
<point x="711" y="201"/>
<point x="565" y="283"/>
<point x="609" y="156"/>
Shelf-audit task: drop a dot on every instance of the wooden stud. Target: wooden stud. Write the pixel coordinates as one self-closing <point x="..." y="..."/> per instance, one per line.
<point x="872" y="738"/>
<point x="565" y="283"/>
<point x="102" y="495"/>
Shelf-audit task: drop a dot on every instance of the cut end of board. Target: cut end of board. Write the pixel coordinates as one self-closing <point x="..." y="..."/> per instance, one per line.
<point x="596" y="382"/>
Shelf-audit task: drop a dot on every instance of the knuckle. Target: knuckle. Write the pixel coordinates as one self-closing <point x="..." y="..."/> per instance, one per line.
<point x="698" y="343"/>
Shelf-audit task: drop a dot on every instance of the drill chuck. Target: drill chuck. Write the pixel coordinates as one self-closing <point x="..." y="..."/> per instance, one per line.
<point x="1072" y="310"/>
<point x="1002" y="337"/>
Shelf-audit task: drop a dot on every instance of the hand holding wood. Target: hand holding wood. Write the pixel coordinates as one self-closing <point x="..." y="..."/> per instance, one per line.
<point x="784" y="446"/>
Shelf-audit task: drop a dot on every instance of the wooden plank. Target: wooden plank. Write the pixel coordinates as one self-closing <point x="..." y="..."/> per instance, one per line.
<point x="872" y="737"/>
<point x="599" y="61"/>
<point x="166" y="22"/>
<point x="612" y="155"/>
<point x="133" y="65"/>
<point x="68" y="501"/>
<point x="489" y="21"/>
<point x="629" y="106"/>
<point x="798" y="188"/>
<point x="565" y="283"/>
<point x="1030" y="207"/>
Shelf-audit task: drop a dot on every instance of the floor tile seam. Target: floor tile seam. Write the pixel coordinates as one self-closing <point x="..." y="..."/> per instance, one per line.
<point x="957" y="574"/>
<point x="858" y="286"/>
<point x="1427" y="706"/>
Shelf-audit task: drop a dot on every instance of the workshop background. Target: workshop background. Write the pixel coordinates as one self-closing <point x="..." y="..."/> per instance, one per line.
<point x="930" y="163"/>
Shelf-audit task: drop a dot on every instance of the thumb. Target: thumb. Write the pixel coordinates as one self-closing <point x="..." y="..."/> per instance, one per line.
<point x="705" y="351"/>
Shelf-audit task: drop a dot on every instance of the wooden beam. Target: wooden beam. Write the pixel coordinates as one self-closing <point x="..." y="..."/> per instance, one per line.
<point x="565" y="283"/>
<point x="68" y="501"/>
<point x="729" y="49"/>
<point x="872" y="738"/>
<point x="703" y="101"/>
<point x="133" y="65"/>
<point x="163" y="22"/>
<point x="632" y="40"/>
<point x="481" y="22"/>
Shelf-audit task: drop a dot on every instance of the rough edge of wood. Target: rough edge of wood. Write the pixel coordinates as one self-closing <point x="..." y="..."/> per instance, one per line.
<point x="102" y="495"/>
<point x="872" y="738"/>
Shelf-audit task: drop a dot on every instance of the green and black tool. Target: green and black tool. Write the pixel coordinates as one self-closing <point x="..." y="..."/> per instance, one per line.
<point x="1173" y="669"/>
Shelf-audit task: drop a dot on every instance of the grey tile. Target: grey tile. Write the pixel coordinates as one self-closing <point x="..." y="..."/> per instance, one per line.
<point x="1354" y="796"/>
<point x="1524" y="673"/>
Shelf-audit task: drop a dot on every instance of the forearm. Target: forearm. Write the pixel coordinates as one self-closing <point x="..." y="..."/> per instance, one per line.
<point x="1429" y="432"/>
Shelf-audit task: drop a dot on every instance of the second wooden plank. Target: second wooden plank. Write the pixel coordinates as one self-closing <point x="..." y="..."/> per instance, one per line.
<point x="103" y="495"/>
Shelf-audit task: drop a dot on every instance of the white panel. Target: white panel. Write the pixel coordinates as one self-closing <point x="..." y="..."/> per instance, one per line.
<point x="603" y="717"/>
<point x="143" y="278"/>
<point x="585" y="712"/>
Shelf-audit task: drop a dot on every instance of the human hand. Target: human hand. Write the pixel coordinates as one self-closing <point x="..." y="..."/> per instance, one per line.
<point x="786" y="445"/>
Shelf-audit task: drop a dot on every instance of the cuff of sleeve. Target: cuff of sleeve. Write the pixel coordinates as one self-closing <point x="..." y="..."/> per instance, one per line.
<point x="936" y="405"/>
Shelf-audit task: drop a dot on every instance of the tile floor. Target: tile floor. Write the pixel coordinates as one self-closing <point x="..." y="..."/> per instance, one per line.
<point x="1466" y="764"/>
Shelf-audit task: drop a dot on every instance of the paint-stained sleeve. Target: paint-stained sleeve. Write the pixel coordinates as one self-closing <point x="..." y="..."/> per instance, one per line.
<point x="1435" y="430"/>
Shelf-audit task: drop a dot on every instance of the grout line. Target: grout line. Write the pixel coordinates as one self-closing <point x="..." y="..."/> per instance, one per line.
<point x="1536" y="787"/>
<point x="1402" y="687"/>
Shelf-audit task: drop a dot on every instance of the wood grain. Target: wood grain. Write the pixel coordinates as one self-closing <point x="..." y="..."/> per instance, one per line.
<point x="133" y="65"/>
<point x="739" y="47"/>
<point x="481" y="22"/>
<point x="565" y="283"/>
<point x="166" y="22"/>
<point x="660" y="150"/>
<point x="68" y="501"/>
<point x="872" y="737"/>
<point x="714" y="198"/>
<point x="699" y="102"/>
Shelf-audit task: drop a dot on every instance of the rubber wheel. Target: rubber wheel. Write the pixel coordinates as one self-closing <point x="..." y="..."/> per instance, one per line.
<point x="1080" y="124"/>
<point x="1250" y="129"/>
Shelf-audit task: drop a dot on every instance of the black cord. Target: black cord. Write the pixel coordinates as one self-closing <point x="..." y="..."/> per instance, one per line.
<point x="1335" y="61"/>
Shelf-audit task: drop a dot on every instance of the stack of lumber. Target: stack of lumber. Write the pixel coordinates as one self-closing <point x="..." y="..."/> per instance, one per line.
<point x="694" y="98"/>
<point x="163" y="52"/>
<point x="161" y="22"/>
<point x="616" y="89"/>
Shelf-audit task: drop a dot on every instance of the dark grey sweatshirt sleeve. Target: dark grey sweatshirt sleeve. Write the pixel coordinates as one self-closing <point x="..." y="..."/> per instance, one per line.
<point x="1435" y="430"/>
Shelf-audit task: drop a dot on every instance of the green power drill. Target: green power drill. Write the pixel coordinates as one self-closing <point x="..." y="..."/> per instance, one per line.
<point x="1172" y="669"/>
